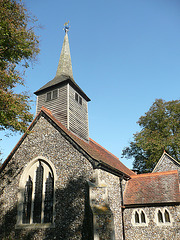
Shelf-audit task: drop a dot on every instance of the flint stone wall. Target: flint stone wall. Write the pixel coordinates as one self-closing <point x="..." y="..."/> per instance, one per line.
<point x="73" y="219"/>
<point x="167" y="164"/>
<point x="152" y="230"/>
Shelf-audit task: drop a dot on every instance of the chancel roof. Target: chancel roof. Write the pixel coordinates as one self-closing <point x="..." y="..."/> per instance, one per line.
<point x="152" y="188"/>
<point x="101" y="158"/>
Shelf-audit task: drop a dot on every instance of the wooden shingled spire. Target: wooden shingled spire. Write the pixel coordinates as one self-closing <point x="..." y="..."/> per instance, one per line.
<point x="65" y="65"/>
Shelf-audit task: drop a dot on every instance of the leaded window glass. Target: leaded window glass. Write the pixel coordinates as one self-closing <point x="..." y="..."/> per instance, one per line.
<point x="48" y="203"/>
<point x="27" y="201"/>
<point x="38" y="194"/>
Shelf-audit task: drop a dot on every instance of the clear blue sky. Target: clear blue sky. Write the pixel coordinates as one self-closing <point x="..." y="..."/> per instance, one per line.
<point x="125" y="54"/>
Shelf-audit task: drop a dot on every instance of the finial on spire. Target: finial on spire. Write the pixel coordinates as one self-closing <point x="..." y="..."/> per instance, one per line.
<point x="64" y="65"/>
<point x="66" y="27"/>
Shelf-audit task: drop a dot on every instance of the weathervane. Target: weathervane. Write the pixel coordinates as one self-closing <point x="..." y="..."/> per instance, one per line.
<point x="66" y="27"/>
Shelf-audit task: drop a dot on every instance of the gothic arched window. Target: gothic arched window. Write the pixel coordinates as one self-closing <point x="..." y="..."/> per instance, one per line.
<point x="37" y="209"/>
<point x="48" y="202"/>
<point x="163" y="217"/>
<point x="160" y="216"/>
<point x="136" y="217"/>
<point x="139" y="218"/>
<point x="166" y="216"/>
<point x="143" y="218"/>
<point x="27" y="201"/>
<point x="36" y="198"/>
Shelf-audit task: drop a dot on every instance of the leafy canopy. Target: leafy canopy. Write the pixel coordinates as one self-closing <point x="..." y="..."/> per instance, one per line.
<point x="160" y="131"/>
<point x="18" y="47"/>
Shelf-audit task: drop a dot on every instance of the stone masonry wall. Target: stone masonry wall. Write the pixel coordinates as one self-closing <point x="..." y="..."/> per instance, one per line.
<point x="114" y="199"/>
<point x="73" y="216"/>
<point x="153" y="231"/>
<point x="73" y="219"/>
<point x="167" y="164"/>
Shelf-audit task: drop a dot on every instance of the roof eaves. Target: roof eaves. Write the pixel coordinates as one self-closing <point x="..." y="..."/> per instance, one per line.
<point x="144" y="175"/>
<point x="96" y="163"/>
<point x="66" y="79"/>
<point x="114" y="171"/>
<point x="151" y="204"/>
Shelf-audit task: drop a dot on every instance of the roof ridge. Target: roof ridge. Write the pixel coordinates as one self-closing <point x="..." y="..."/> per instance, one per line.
<point x="46" y="110"/>
<point x="155" y="173"/>
<point x="111" y="160"/>
<point x="161" y="159"/>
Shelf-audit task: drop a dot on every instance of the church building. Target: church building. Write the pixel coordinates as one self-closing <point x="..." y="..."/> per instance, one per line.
<point x="58" y="183"/>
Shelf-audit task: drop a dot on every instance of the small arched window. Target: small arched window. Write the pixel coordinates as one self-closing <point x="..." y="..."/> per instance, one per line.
<point x="136" y="217"/>
<point x="163" y="217"/>
<point x="166" y="216"/>
<point x="160" y="216"/>
<point x="143" y="218"/>
<point x="36" y="199"/>
<point x="139" y="218"/>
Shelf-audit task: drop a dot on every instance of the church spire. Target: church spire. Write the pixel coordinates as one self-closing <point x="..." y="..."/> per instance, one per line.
<point x="65" y="65"/>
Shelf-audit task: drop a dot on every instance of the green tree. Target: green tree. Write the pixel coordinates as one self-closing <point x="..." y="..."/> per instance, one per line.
<point x="18" y="46"/>
<point x="160" y="131"/>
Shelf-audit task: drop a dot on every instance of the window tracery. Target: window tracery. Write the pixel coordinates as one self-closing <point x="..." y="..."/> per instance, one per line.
<point x="36" y="197"/>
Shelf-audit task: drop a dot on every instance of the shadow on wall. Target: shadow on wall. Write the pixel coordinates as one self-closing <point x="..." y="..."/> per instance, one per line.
<point x="73" y="218"/>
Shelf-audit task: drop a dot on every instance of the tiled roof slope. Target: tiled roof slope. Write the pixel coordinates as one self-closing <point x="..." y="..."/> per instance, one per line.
<point x="93" y="149"/>
<point x="152" y="188"/>
<point x="96" y="151"/>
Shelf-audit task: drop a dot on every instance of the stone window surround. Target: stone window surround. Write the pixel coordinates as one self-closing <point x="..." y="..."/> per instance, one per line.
<point x="164" y="223"/>
<point x="140" y="224"/>
<point x="27" y="170"/>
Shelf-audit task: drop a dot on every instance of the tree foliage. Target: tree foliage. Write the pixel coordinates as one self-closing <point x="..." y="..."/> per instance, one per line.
<point x="18" y="47"/>
<point x="160" y="132"/>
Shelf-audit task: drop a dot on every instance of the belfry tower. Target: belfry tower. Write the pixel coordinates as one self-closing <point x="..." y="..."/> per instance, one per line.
<point x="64" y="98"/>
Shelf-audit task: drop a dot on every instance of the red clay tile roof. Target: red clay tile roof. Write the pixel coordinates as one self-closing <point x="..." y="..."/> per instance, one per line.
<point x="152" y="188"/>
<point x="93" y="149"/>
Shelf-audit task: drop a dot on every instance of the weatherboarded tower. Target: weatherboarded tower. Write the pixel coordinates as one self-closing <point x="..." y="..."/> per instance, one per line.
<point x="64" y="98"/>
